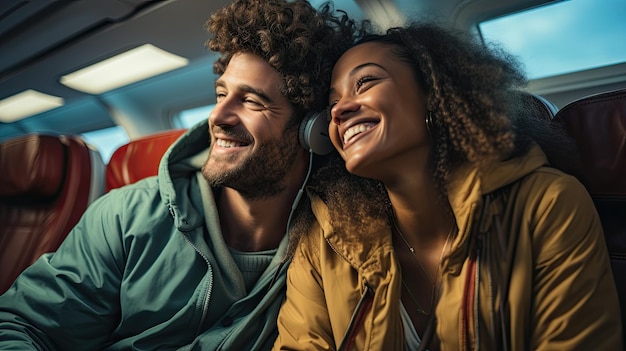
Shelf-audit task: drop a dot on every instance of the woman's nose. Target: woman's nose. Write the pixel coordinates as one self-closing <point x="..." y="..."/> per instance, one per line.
<point x="343" y="109"/>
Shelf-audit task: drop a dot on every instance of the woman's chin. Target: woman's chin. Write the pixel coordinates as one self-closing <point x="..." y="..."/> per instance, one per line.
<point x="360" y="166"/>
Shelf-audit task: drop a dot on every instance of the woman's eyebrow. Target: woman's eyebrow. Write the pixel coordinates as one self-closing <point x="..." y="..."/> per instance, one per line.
<point x="364" y="65"/>
<point x="356" y="69"/>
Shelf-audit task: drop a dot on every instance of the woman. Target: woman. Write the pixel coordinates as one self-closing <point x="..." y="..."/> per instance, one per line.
<point x="465" y="238"/>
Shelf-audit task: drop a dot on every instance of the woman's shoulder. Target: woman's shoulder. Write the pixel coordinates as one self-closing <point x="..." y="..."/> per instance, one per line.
<point x="551" y="183"/>
<point x="555" y="201"/>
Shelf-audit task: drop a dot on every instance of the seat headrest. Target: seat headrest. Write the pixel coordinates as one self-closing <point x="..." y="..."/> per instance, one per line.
<point x="598" y="124"/>
<point x="544" y="108"/>
<point x="139" y="158"/>
<point x="32" y="167"/>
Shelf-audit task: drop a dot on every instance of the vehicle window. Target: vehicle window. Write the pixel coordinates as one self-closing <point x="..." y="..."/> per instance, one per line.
<point x="563" y="37"/>
<point x="351" y="7"/>
<point x="106" y="140"/>
<point x="188" y="118"/>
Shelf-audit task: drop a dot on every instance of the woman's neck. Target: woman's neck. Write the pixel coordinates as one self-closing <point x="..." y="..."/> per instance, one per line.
<point x="421" y="214"/>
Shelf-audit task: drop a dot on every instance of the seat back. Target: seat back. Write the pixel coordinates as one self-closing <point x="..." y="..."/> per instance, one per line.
<point x="47" y="183"/>
<point x="543" y="107"/>
<point x="539" y="124"/>
<point x="598" y="124"/>
<point x="138" y="158"/>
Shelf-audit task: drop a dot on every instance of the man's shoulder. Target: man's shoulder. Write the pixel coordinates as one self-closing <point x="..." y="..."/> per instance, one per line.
<point x="147" y="187"/>
<point x="147" y="201"/>
<point x="133" y="210"/>
<point x="144" y="195"/>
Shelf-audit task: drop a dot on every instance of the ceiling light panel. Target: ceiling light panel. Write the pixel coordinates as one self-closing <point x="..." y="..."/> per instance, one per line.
<point x="131" y="66"/>
<point x="27" y="103"/>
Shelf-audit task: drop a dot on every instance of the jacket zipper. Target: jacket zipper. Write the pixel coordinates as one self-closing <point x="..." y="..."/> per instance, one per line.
<point x="470" y="302"/>
<point x="207" y="297"/>
<point x="357" y="319"/>
<point x="358" y="316"/>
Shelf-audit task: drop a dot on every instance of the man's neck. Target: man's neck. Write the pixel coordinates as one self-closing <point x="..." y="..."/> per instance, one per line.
<point x="260" y="224"/>
<point x="254" y="225"/>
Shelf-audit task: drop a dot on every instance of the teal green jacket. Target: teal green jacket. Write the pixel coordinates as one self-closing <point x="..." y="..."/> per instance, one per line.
<point x="140" y="272"/>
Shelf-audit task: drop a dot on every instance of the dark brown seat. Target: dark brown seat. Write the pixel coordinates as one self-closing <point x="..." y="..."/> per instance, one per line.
<point x="138" y="158"/>
<point x="543" y="107"/>
<point x="47" y="183"/>
<point x="598" y="124"/>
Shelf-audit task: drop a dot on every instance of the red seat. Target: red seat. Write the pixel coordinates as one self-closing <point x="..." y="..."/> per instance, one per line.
<point x="47" y="183"/>
<point x="598" y="124"/>
<point x="139" y="158"/>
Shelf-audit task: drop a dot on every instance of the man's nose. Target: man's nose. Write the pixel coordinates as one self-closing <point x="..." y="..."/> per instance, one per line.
<point x="224" y="114"/>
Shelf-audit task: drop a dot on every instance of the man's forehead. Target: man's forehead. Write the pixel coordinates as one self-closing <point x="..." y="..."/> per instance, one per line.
<point x="253" y="67"/>
<point x="251" y="73"/>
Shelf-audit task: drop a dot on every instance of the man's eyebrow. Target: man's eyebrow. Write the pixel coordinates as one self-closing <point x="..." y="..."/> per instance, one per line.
<point x="255" y="91"/>
<point x="248" y="89"/>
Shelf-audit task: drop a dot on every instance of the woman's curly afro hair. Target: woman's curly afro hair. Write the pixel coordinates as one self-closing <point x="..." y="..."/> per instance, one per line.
<point x="479" y="115"/>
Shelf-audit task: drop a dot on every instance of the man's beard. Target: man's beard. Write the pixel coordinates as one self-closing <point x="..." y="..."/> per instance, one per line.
<point x="261" y="174"/>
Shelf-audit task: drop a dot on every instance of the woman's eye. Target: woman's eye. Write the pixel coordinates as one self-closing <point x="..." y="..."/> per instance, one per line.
<point x="362" y="81"/>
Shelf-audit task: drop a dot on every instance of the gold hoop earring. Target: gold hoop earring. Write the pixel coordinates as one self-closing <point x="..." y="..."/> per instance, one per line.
<point x="430" y="126"/>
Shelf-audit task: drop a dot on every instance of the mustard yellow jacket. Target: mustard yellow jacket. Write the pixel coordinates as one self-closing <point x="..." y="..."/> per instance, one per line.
<point x="561" y="294"/>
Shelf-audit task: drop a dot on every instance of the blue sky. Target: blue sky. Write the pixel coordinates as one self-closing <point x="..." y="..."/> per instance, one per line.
<point x="564" y="37"/>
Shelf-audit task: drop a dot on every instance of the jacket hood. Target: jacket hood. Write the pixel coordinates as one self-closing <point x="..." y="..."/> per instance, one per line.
<point x="465" y="193"/>
<point x="467" y="181"/>
<point x="468" y="185"/>
<point x="180" y="162"/>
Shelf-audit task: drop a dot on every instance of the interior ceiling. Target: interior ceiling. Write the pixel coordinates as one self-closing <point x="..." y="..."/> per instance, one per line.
<point x="42" y="40"/>
<point x="31" y="28"/>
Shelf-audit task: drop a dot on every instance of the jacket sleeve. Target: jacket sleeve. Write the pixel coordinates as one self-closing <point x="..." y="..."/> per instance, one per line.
<point x="303" y="321"/>
<point x="576" y="306"/>
<point x="65" y="300"/>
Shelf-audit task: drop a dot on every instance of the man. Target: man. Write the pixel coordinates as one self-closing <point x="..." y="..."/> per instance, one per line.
<point x="194" y="258"/>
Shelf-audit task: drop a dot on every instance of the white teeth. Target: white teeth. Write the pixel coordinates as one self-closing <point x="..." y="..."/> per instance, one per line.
<point x="226" y="144"/>
<point x="357" y="129"/>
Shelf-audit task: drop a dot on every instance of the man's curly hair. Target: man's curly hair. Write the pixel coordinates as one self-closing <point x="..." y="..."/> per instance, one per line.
<point x="302" y="44"/>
